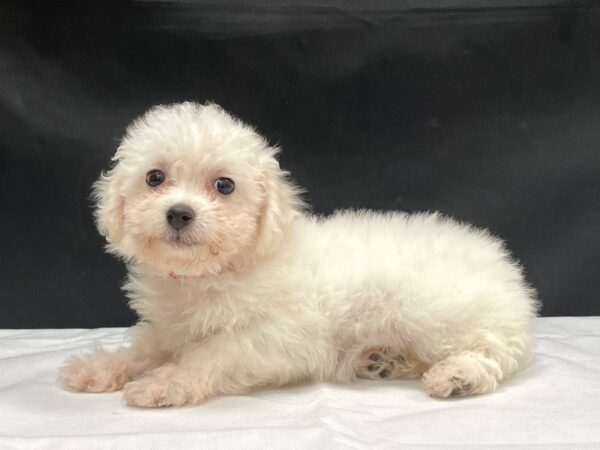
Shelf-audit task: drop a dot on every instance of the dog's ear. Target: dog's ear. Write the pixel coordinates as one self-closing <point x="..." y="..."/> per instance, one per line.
<point x="109" y="204"/>
<point x="281" y="205"/>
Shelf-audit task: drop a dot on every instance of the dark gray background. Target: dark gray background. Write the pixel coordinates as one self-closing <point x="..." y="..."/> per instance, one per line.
<point x="486" y="110"/>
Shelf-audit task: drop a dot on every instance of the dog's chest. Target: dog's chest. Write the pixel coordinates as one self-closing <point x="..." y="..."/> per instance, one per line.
<point x="185" y="315"/>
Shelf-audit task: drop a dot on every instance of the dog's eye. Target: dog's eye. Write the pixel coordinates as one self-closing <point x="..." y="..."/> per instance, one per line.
<point x="154" y="177"/>
<point x="224" y="185"/>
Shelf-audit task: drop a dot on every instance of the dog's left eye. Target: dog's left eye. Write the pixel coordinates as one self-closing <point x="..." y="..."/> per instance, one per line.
<point x="155" y="177"/>
<point x="224" y="185"/>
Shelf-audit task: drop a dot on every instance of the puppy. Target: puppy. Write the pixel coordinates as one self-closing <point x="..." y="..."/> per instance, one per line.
<point x="237" y="287"/>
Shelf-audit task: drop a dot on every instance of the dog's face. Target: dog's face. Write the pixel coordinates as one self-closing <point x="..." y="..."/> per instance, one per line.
<point x="194" y="192"/>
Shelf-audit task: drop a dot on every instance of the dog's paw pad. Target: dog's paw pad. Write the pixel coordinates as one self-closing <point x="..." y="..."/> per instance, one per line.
<point x="376" y="357"/>
<point x="461" y="387"/>
<point x="378" y="365"/>
<point x="374" y="368"/>
<point x="460" y="390"/>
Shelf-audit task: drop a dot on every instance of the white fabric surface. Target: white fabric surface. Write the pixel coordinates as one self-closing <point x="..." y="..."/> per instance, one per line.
<point x="553" y="404"/>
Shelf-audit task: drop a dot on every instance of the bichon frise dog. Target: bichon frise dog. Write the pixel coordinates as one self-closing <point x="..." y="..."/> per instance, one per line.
<point x="237" y="287"/>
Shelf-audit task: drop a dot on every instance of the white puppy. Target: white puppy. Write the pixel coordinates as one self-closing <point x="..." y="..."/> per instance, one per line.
<point x="237" y="287"/>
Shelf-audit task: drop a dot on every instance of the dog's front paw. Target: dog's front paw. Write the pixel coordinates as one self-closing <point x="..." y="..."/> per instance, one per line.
<point x="152" y="393"/>
<point x="162" y="387"/>
<point x="97" y="372"/>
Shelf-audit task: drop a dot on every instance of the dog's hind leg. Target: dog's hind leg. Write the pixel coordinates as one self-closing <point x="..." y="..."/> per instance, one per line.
<point x="461" y="374"/>
<point x="479" y="370"/>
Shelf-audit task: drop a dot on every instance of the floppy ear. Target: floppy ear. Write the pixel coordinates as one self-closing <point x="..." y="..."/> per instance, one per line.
<point x="281" y="205"/>
<point x="109" y="205"/>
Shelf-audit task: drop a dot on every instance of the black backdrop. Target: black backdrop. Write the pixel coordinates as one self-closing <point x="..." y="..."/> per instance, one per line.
<point x="486" y="110"/>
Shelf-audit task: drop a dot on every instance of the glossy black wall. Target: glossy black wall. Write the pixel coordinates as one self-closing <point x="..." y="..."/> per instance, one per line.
<point x="488" y="113"/>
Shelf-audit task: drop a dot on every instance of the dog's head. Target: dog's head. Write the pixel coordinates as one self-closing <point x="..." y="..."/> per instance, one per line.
<point x="193" y="192"/>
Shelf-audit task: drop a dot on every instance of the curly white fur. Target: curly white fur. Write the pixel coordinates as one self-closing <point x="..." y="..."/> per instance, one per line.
<point x="257" y="292"/>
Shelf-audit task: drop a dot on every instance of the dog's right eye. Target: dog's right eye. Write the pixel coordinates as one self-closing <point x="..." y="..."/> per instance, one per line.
<point x="155" y="177"/>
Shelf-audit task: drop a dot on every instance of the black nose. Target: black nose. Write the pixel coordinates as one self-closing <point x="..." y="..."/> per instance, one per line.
<point x="179" y="216"/>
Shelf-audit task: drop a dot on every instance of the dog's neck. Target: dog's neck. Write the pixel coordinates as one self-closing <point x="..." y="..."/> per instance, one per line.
<point x="180" y="277"/>
<point x="232" y="268"/>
